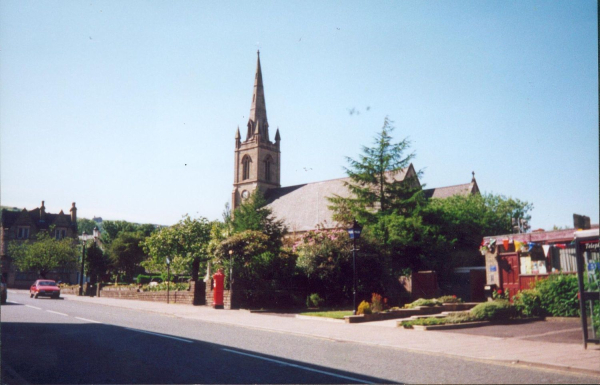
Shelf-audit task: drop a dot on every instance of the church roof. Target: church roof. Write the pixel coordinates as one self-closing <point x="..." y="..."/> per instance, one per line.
<point x="446" y="192"/>
<point x="303" y="207"/>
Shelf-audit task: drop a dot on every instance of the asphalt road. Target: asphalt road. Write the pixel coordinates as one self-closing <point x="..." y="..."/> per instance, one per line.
<point x="61" y="341"/>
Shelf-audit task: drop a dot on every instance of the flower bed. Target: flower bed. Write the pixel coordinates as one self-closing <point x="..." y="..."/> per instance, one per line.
<point x="405" y="313"/>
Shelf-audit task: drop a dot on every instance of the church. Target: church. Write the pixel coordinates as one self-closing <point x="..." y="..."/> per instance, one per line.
<point x="302" y="207"/>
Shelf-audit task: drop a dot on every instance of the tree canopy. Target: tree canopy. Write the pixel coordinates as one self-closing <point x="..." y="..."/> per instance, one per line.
<point x="86" y="225"/>
<point x="126" y="252"/>
<point x="254" y="215"/>
<point x="97" y="262"/>
<point x="375" y="190"/>
<point x="186" y="244"/>
<point x="45" y="254"/>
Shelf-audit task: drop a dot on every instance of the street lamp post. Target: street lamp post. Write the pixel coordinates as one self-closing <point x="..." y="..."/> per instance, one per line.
<point x="230" y="274"/>
<point x="354" y="233"/>
<point x="168" y="277"/>
<point x="83" y="236"/>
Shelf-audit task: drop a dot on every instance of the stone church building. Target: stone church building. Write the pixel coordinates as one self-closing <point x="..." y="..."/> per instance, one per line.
<point x="302" y="207"/>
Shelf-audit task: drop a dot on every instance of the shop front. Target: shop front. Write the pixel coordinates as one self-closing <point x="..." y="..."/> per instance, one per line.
<point x="515" y="262"/>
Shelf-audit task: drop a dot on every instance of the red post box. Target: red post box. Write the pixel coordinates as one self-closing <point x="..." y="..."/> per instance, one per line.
<point x="218" y="279"/>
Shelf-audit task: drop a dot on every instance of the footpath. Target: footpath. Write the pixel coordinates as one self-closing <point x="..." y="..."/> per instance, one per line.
<point x="510" y="351"/>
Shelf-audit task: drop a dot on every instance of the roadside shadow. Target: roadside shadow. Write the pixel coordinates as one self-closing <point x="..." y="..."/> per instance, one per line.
<point x="50" y="298"/>
<point x="99" y="353"/>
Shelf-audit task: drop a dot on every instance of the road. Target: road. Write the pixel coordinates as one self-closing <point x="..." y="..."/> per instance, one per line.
<point x="62" y="341"/>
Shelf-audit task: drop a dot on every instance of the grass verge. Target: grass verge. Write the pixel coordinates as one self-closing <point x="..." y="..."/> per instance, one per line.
<point x="335" y="314"/>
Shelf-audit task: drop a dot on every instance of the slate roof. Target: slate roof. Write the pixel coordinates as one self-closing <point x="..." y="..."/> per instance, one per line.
<point x="446" y="192"/>
<point x="303" y="207"/>
<point x="10" y="217"/>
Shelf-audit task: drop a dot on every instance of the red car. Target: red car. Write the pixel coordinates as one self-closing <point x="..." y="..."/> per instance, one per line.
<point x="44" y="287"/>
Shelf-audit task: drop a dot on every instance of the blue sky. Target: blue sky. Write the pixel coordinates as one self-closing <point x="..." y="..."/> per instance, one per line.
<point x="130" y="108"/>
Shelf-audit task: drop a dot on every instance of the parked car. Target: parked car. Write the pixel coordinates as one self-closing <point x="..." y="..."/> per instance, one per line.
<point x="44" y="287"/>
<point x="3" y="289"/>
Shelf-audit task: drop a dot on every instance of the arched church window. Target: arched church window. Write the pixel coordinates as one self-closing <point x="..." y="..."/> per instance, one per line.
<point x="246" y="167"/>
<point x="268" y="162"/>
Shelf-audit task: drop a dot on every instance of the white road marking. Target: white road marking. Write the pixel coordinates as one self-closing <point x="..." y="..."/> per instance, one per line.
<point x="55" y="312"/>
<point x="161" y="335"/>
<point x="88" y="320"/>
<point x="34" y="307"/>
<point x="13" y="302"/>
<point x="298" y="366"/>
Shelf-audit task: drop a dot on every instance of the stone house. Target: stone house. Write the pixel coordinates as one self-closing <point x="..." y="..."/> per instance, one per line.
<point x="23" y="226"/>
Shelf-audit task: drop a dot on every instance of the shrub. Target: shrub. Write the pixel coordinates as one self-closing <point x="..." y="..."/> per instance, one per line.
<point x="500" y="294"/>
<point x="493" y="311"/>
<point x="424" y="302"/>
<point x="364" y="308"/>
<point x="376" y="303"/>
<point x="449" y="299"/>
<point x="558" y="295"/>
<point x="454" y="318"/>
<point x="144" y="279"/>
<point x="528" y="303"/>
<point x="314" y="300"/>
<point x="593" y="284"/>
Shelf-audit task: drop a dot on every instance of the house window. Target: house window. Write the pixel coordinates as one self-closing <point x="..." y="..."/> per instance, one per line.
<point x="60" y="233"/>
<point x="246" y="167"/>
<point x="268" y="162"/>
<point x="23" y="233"/>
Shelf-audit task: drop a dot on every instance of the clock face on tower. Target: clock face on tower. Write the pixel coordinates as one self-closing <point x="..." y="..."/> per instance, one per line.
<point x="245" y="194"/>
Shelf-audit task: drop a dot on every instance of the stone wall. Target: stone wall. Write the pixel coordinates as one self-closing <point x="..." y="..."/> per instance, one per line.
<point x="184" y="297"/>
<point x="193" y="296"/>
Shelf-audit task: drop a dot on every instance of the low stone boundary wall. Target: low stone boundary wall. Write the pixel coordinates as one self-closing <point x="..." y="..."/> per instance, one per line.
<point x="405" y="313"/>
<point x="184" y="297"/>
<point x="194" y="296"/>
<point x="69" y="290"/>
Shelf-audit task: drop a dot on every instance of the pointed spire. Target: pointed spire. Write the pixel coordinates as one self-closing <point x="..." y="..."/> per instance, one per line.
<point x="473" y="180"/>
<point x="237" y="134"/>
<point x="277" y="137"/>
<point x="258" y="109"/>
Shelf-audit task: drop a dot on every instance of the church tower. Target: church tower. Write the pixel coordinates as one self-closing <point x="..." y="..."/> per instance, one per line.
<point x="257" y="159"/>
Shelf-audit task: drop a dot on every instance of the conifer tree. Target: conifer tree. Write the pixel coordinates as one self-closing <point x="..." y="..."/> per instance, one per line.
<point x="376" y="189"/>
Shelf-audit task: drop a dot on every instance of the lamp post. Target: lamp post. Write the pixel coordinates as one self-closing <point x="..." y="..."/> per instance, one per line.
<point x="354" y="233"/>
<point x="168" y="277"/>
<point x="230" y="272"/>
<point x="83" y="236"/>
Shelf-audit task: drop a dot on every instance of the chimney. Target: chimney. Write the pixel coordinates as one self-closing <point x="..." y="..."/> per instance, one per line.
<point x="73" y="211"/>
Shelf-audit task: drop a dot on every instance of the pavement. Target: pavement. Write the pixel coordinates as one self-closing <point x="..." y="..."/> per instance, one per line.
<point x="539" y="350"/>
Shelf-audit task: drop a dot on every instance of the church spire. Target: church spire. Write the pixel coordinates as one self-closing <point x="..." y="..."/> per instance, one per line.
<point x="258" y="109"/>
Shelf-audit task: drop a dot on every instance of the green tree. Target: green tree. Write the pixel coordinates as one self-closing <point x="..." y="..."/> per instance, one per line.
<point x="126" y="253"/>
<point x="96" y="262"/>
<point x="254" y="215"/>
<point x="375" y="190"/>
<point x="325" y="258"/>
<point x="111" y="229"/>
<point x="469" y="218"/>
<point x="86" y="225"/>
<point x="44" y="254"/>
<point x="259" y="270"/>
<point x="186" y="244"/>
